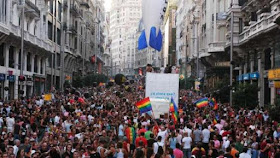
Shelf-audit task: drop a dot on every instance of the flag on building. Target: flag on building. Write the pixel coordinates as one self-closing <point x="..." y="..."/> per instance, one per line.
<point x="144" y="105"/>
<point x="202" y="103"/>
<point x="174" y="110"/>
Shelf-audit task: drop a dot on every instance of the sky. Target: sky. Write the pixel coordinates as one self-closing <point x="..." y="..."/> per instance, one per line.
<point x="108" y="5"/>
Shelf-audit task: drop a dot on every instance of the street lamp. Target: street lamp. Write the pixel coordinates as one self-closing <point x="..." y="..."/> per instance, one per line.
<point x="96" y="22"/>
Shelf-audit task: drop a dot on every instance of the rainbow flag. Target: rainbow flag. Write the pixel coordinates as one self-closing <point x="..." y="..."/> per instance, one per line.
<point x="144" y="105"/>
<point x="213" y="103"/>
<point x="202" y="103"/>
<point x="130" y="134"/>
<point x="215" y="122"/>
<point x="174" y="110"/>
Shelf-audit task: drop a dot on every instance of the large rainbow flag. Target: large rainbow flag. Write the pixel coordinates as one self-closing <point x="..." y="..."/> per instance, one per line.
<point x="144" y="105"/>
<point x="202" y="103"/>
<point x="130" y="134"/>
<point x="174" y="110"/>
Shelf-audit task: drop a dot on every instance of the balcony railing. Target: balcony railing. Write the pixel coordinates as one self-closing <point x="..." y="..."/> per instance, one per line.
<point x="266" y="23"/>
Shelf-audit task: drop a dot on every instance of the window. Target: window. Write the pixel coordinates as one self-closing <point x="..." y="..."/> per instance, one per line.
<point x="28" y="62"/>
<point x="11" y="57"/>
<point x="240" y="25"/>
<point x="34" y="31"/>
<point x="58" y="37"/>
<point x="3" y="10"/>
<point x="58" y="60"/>
<point x="2" y="58"/>
<point x="59" y="11"/>
<point x="36" y="64"/>
<point x="50" y="3"/>
<point x="54" y="31"/>
<point x="75" y="43"/>
<point x="50" y="61"/>
<point x="19" y="59"/>
<point x="41" y="66"/>
<point x="50" y="30"/>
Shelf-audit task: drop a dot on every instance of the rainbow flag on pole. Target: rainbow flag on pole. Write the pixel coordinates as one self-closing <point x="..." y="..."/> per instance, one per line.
<point x="174" y="110"/>
<point x="202" y="103"/>
<point x="144" y="105"/>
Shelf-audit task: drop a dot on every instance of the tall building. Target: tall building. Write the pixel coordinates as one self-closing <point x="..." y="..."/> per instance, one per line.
<point x="62" y="38"/>
<point x="124" y="19"/>
<point x="256" y="48"/>
<point x="79" y="23"/>
<point x="36" y="50"/>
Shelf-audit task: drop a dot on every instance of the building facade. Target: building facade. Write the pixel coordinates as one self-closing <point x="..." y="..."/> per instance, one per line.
<point x="36" y="50"/>
<point x="124" y="19"/>
<point x="59" y="41"/>
<point x="256" y="45"/>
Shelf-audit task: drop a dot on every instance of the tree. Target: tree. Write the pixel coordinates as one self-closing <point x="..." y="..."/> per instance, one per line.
<point x="246" y="95"/>
<point x="78" y="82"/>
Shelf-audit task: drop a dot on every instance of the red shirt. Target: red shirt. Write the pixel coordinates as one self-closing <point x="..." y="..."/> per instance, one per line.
<point x="143" y="130"/>
<point x="144" y="140"/>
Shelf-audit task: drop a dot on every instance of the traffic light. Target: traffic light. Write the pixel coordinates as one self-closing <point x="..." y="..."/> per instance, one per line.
<point x="21" y="78"/>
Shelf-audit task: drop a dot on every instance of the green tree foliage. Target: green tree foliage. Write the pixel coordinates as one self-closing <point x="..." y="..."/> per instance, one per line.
<point x="246" y="95"/>
<point x="186" y="83"/>
<point x="221" y="90"/>
<point x="88" y="80"/>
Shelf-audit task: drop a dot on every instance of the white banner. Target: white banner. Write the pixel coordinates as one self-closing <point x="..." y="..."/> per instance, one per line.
<point x="162" y="86"/>
<point x="160" y="106"/>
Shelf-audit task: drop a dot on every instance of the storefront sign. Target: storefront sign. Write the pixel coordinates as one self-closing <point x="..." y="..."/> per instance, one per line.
<point x="239" y="78"/>
<point x="2" y="77"/>
<point x="254" y="75"/>
<point x="37" y="79"/>
<point x="270" y="84"/>
<point x="43" y="80"/>
<point x="277" y="84"/>
<point x="274" y="74"/>
<point x="246" y="77"/>
<point x="222" y="64"/>
<point x="11" y="78"/>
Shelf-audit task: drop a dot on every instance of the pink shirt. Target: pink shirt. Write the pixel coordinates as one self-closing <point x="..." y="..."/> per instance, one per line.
<point x="178" y="153"/>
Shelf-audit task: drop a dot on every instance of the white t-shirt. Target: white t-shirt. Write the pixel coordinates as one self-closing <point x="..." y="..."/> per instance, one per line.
<point x="205" y="136"/>
<point x="244" y="155"/>
<point x="179" y="138"/>
<point x="163" y="135"/>
<point x="187" y="142"/>
<point x="156" y="145"/>
<point x="10" y="122"/>
<point x="189" y="131"/>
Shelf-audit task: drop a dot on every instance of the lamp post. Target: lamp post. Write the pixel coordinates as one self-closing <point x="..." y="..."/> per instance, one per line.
<point x="22" y="43"/>
<point x="231" y="57"/>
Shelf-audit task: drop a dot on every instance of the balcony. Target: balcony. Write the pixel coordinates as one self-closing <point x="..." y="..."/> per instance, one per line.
<point x="216" y="47"/>
<point x="31" y="9"/>
<point x="84" y="4"/>
<point x="262" y="26"/>
<point x="74" y="10"/>
<point x="73" y="29"/>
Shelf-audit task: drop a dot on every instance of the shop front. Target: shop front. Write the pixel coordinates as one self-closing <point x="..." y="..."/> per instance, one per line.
<point x="274" y="83"/>
<point x="11" y="88"/>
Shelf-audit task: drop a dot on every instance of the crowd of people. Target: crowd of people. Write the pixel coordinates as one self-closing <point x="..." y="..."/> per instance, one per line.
<point x="103" y="122"/>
